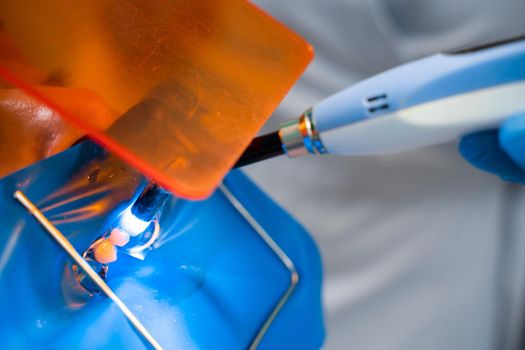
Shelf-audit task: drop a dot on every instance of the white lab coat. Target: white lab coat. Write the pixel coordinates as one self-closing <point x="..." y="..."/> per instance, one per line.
<point x="420" y="250"/>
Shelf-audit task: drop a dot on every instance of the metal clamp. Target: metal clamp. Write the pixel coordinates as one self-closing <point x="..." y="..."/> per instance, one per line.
<point x="276" y="249"/>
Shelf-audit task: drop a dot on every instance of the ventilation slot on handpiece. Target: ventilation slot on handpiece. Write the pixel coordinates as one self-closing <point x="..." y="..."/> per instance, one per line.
<point x="377" y="103"/>
<point x="376" y="98"/>
<point x="378" y="108"/>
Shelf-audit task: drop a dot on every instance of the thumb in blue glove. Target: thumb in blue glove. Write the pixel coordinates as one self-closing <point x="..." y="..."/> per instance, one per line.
<point x="501" y="152"/>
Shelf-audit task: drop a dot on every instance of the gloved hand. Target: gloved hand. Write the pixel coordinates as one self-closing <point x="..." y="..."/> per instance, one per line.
<point x="501" y="152"/>
<point x="30" y="130"/>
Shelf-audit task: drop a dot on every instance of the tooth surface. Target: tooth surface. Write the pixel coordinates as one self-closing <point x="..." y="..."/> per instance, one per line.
<point x="119" y="237"/>
<point x="105" y="252"/>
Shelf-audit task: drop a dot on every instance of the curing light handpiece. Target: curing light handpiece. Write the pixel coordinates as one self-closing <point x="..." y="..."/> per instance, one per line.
<point x="422" y="103"/>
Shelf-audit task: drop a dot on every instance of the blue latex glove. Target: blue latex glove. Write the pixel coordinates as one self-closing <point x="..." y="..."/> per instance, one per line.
<point x="501" y="152"/>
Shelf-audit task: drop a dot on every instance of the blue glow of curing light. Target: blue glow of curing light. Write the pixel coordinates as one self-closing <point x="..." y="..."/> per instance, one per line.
<point x="132" y="224"/>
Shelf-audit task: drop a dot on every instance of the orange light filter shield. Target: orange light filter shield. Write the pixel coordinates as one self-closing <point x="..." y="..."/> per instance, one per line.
<point x="176" y="88"/>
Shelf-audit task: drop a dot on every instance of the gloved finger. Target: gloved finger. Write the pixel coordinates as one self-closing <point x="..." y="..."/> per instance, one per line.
<point x="482" y="149"/>
<point x="512" y="139"/>
<point x="31" y="131"/>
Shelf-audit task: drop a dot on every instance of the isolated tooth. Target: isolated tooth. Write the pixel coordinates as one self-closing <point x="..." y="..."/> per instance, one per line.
<point x="119" y="237"/>
<point x="105" y="252"/>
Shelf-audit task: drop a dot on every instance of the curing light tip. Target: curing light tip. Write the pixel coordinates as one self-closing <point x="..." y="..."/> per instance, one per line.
<point x="130" y="223"/>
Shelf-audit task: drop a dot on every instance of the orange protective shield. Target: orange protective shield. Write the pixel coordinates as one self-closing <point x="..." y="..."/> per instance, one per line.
<point x="177" y="88"/>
